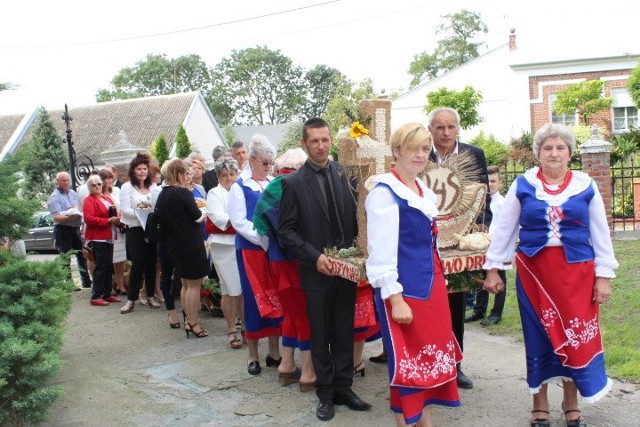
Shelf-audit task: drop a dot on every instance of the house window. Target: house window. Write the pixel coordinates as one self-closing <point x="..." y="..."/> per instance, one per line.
<point x="625" y="114"/>
<point x="564" y="119"/>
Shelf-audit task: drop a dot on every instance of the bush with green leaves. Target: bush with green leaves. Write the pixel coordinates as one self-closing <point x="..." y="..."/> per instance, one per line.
<point x="495" y="151"/>
<point x="35" y="300"/>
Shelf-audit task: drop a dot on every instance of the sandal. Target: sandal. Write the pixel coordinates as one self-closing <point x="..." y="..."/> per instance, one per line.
<point x="576" y="422"/>
<point x="244" y="336"/>
<point x="540" y="422"/>
<point x="189" y="328"/>
<point x="234" y="341"/>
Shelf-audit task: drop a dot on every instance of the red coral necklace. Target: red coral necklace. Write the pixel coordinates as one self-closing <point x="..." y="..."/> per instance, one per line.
<point x="395" y="173"/>
<point x="561" y="187"/>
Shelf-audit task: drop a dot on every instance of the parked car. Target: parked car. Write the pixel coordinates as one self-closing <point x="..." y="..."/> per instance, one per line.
<point x="40" y="236"/>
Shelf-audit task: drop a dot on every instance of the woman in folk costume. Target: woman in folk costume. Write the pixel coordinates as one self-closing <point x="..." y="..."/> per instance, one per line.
<point x="284" y="272"/>
<point x="410" y="291"/>
<point x="262" y="311"/>
<point x="559" y="217"/>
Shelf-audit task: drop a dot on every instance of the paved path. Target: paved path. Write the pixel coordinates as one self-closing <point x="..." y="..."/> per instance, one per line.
<point x="133" y="370"/>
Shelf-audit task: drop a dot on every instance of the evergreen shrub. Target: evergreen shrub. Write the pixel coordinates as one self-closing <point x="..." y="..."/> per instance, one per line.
<point x="35" y="299"/>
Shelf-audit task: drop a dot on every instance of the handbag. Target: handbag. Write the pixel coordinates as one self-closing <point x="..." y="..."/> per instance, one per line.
<point x="87" y="252"/>
<point x="154" y="230"/>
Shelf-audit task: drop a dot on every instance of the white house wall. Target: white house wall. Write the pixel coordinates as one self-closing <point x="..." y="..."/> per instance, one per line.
<point x="203" y="134"/>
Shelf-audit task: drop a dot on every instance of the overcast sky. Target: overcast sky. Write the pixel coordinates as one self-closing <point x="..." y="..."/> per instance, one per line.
<point x="64" y="52"/>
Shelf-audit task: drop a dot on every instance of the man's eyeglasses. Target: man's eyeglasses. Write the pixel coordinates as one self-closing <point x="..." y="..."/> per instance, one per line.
<point x="97" y="184"/>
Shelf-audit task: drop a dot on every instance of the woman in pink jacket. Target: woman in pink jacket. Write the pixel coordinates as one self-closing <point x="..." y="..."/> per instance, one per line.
<point x="101" y="218"/>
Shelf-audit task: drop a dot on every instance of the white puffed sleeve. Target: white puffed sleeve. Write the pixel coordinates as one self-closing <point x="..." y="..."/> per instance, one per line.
<point x="383" y="224"/>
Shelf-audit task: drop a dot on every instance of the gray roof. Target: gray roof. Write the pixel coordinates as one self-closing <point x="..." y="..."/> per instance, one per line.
<point x="96" y="128"/>
<point x="274" y="133"/>
<point x="8" y="125"/>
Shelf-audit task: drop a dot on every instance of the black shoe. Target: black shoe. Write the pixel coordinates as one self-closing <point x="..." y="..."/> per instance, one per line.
<point x="381" y="358"/>
<point x="254" y="368"/>
<point x="271" y="362"/>
<point x="475" y="316"/>
<point x="352" y="401"/>
<point x="463" y="380"/>
<point x="325" y="411"/>
<point x="491" y="320"/>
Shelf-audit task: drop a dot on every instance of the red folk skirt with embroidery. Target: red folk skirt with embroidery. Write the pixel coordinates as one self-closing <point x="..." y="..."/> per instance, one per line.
<point x="423" y="354"/>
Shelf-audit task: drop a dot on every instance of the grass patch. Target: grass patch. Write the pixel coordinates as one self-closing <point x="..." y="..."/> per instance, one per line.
<point x="619" y="318"/>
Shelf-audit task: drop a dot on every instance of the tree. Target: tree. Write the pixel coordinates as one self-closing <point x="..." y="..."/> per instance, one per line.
<point x="257" y="86"/>
<point x="323" y="82"/>
<point x="291" y="137"/>
<point x="183" y="146"/>
<point x="6" y="86"/>
<point x="159" y="150"/>
<point x="344" y="103"/>
<point x="45" y="159"/>
<point x="229" y="135"/>
<point x="15" y="211"/>
<point x="584" y="98"/>
<point x="465" y="102"/>
<point x="158" y="75"/>
<point x="633" y="85"/>
<point x="453" y="50"/>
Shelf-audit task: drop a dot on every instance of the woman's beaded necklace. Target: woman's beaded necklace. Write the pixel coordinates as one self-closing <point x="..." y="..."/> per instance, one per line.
<point x="561" y="187"/>
<point x="395" y="173"/>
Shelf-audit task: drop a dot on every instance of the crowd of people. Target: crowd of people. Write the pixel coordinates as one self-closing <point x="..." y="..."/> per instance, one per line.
<point x="261" y="225"/>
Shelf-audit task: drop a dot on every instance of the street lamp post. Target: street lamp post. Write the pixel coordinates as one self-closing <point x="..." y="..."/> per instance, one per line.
<point x="72" y="153"/>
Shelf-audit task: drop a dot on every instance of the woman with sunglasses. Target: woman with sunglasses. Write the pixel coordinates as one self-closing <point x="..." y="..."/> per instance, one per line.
<point x="100" y="218"/>
<point x="262" y="311"/>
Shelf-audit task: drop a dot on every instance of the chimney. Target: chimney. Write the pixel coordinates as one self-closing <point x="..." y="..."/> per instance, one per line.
<point x="512" y="39"/>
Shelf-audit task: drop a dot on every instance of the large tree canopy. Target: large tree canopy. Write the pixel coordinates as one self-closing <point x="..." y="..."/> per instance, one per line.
<point x="323" y="82"/>
<point x="257" y="86"/>
<point x="454" y="49"/>
<point x="158" y="75"/>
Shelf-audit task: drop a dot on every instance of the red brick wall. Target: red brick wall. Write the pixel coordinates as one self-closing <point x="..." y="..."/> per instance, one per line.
<point x="597" y="165"/>
<point x="541" y="112"/>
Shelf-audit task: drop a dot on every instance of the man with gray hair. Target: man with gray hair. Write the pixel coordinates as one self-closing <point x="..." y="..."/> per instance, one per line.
<point x="209" y="178"/>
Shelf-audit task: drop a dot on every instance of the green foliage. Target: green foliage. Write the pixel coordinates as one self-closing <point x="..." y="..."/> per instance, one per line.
<point x="45" y="157"/>
<point x="344" y="105"/>
<point x="30" y="337"/>
<point x="323" y="82"/>
<point x="625" y="145"/>
<point x="454" y="49"/>
<point x="633" y="85"/>
<point x="229" y="135"/>
<point x="183" y="146"/>
<point x="291" y="137"/>
<point x="494" y="150"/>
<point x="6" y="86"/>
<point x="15" y="211"/>
<point x="158" y="75"/>
<point x="159" y="150"/>
<point x="584" y="98"/>
<point x="466" y="102"/>
<point x="257" y="86"/>
<point x="520" y="151"/>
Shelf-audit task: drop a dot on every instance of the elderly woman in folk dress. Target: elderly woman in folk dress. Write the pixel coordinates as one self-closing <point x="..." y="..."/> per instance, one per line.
<point x="558" y="217"/>
<point x="223" y="249"/>
<point x="410" y="291"/>
<point x="262" y="312"/>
